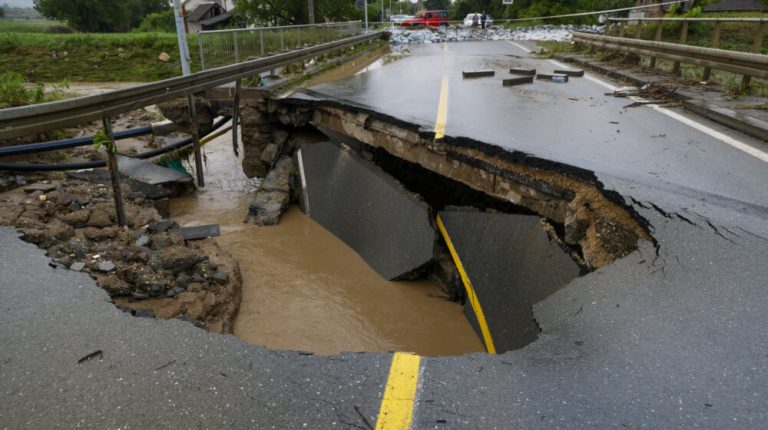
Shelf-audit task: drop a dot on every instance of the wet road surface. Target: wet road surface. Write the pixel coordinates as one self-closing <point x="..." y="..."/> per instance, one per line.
<point x="667" y="337"/>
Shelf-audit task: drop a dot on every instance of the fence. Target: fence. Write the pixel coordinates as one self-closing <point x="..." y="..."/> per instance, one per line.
<point x="741" y="37"/>
<point x="225" y="47"/>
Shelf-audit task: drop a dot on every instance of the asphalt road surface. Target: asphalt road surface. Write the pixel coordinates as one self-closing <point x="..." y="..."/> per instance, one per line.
<point x="672" y="336"/>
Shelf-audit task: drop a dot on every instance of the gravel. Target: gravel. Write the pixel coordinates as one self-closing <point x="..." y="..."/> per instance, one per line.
<point x="561" y="33"/>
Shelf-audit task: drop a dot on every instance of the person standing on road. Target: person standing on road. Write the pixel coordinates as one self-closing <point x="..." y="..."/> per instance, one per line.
<point x="482" y="20"/>
<point x="474" y="20"/>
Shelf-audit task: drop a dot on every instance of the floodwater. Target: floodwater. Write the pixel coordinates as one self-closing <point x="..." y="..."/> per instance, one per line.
<point x="304" y="289"/>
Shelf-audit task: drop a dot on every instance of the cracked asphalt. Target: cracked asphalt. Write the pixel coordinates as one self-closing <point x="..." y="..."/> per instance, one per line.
<point x="671" y="336"/>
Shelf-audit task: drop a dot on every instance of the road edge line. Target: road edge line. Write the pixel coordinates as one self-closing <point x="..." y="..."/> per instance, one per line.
<point x="471" y="295"/>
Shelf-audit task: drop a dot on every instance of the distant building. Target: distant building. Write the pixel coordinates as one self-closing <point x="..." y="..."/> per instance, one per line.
<point x="206" y="14"/>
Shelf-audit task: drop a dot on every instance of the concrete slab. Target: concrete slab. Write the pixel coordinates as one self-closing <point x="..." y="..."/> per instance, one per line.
<point x="148" y="172"/>
<point x="197" y="232"/>
<point x="477" y="73"/>
<point x="525" y="72"/>
<point x="517" y="81"/>
<point x="512" y="265"/>
<point x="367" y="209"/>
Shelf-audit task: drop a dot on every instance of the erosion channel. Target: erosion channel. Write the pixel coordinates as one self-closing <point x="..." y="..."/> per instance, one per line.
<point x="304" y="289"/>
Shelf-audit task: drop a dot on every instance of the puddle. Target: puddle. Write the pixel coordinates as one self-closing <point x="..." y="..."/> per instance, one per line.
<point x="304" y="289"/>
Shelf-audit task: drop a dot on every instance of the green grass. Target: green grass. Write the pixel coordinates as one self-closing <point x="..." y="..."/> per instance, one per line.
<point x="83" y="57"/>
<point x="29" y="25"/>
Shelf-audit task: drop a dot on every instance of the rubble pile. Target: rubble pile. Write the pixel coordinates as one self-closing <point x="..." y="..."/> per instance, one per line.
<point x="143" y="266"/>
<point x="562" y="33"/>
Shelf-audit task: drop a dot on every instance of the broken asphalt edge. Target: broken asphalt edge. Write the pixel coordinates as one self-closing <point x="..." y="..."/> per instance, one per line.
<point x="748" y="125"/>
<point x="313" y="99"/>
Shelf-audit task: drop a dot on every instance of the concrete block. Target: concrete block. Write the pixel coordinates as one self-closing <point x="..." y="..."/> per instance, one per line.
<point x="517" y="81"/>
<point x="524" y="72"/>
<point x="478" y="73"/>
<point x="551" y="77"/>
<point x="366" y="208"/>
<point x="571" y="73"/>
<point x="511" y="264"/>
<point x="197" y="232"/>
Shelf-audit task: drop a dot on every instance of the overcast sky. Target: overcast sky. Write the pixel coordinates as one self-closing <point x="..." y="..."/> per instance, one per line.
<point x="17" y="3"/>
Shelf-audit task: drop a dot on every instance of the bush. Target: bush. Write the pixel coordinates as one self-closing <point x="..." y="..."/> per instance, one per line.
<point x="13" y="93"/>
<point x="162" y="22"/>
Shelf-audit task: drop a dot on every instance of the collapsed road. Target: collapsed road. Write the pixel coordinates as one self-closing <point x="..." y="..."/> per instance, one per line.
<point x="665" y="331"/>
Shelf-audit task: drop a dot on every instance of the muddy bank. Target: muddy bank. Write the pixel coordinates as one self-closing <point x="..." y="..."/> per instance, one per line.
<point x="142" y="266"/>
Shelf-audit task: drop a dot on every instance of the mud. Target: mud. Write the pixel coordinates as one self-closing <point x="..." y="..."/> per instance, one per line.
<point x="146" y="271"/>
<point x="304" y="289"/>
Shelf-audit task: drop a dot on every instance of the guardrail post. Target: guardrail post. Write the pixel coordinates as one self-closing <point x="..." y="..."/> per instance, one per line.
<point x="639" y="29"/>
<point x="236" y="116"/>
<point x="261" y="41"/>
<point x="202" y="51"/>
<point x="757" y="46"/>
<point x="622" y="28"/>
<point x="715" y="44"/>
<point x="114" y="173"/>
<point x="237" y="49"/>
<point x="657" y="37"/>
<point x="282" y="40"/>
<point x="298" y="37"/>
<point x="683" y="41"/>
<point x="196" y="136"/>
<point x="607" y="29"/>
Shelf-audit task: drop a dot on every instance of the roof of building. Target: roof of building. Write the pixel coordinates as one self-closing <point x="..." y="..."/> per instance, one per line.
<point x="216" y="19"/>
<point x="199" y="12"/>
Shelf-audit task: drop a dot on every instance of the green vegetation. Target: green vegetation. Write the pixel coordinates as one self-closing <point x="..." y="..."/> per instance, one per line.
<point x="123" y="57"/>
<point x="103" y="16"/>
<point x="160" y="22"/>
<point x="14" y="93"/>
<point x="30" y="26"/>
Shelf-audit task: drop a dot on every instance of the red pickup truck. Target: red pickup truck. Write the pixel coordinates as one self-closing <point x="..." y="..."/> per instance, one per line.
<point x="428" y="18"/>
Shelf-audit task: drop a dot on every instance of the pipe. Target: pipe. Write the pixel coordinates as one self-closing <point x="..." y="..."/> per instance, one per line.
<point x="67" y="143"/>
<point x="47" y="167"/>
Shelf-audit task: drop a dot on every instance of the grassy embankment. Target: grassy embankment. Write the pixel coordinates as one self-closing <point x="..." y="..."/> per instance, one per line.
<point x="26" y="48"/>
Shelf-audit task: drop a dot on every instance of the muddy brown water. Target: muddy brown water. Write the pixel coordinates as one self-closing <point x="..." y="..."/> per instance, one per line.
<point x="304" y="289"/>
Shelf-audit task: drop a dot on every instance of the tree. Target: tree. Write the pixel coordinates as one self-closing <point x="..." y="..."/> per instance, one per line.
<point x="2" y="12"/>
<point x="291" y="12"/>
<point x="100" y="16"/>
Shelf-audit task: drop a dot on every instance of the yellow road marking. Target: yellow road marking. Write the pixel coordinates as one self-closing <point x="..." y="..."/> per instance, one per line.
<point x="471" y="296"/>
<point x="400" y="394"/>
<point x="442" y="105"/>
<point x="442" y="110"/>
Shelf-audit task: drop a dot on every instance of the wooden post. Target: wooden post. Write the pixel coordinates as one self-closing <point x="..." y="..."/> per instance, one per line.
<point x="715" y="44"/>
<point x="639" y="29"/>
<point x="114" y="173"/>
<point x="757" y="46"/>
<point x="657" y="37"/>
<point x="196" y="136"/>
<point x="622" y="28"/>
<point x="683" y="41"/>
<point x="236" y="117"/>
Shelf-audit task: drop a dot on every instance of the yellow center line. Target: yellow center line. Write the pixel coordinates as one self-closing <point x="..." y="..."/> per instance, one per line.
<point x="396" y="410"/>
<point x="471" y="296"/>
<point x="442" y="105"/>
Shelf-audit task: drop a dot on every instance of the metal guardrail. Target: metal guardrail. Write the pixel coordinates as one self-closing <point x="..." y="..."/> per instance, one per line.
<point x="748" y="64"/>
<point x="28" y="120"/>
<point x="224" y="47"/>
<point x="683" y="19"/>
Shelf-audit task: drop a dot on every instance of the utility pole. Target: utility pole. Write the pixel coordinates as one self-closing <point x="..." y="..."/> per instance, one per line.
<point x="180" y="34"/>
<point x="311" y="9"/>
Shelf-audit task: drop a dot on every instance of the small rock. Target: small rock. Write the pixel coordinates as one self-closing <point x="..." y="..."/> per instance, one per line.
<point x="175" y="258"/>
<point x="164" y="57"/>
<point x="144" y="313"/>
<point x="142" y="241"/>
<point x="77" y="267"/>
<point x="220" y="277"/>
<point x="162" y="226"/>
<point x="99" y="219"/>
<point x="114" y="285"/>
<point x="106" y="266"/>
